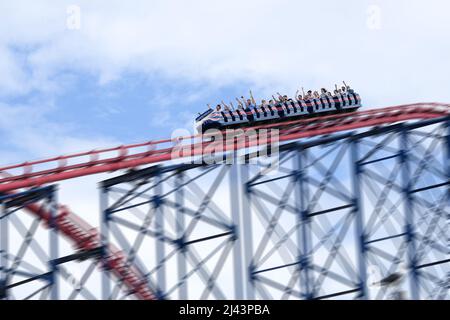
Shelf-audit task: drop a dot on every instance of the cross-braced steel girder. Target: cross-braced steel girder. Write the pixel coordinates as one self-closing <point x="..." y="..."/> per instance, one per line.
<point x="27" y="251"/>
<point x="177" y="226"/>
<point x="343" y="212"/>
<point x="35" y="262"/>
<point x="335" y="216"/>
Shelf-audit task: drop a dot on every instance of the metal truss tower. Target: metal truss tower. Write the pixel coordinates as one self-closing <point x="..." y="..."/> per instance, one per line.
<point x="27" y="264"/>
<point x="337" y="214"/>
<point x="33" y="263"/>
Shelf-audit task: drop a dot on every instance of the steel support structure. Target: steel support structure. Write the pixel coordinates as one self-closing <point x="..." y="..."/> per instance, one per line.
<point x="405" y="184"/>
<point x="341" y="210"/>
<point x="304" y="214"/>
<point x="177" y="226"/>
<point x="338" y="213"/>
<point x="390" y="185"/>
<point x="28" y="253"/>
<point x="36" y="261"/>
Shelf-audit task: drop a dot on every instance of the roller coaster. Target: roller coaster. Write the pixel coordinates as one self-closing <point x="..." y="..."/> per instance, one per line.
<point x="25" y="185"/>
<point x="278" y="112"/>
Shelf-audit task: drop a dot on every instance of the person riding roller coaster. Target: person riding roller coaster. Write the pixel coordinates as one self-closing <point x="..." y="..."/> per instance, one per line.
<point x="249" y="113"/>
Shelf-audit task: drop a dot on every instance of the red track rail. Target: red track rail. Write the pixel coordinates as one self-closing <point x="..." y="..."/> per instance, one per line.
<point x="55" y="169"/>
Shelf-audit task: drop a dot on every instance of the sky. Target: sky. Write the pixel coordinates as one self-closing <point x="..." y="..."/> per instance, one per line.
<point x="79" y="75"/>
<point x="84" y="74"/>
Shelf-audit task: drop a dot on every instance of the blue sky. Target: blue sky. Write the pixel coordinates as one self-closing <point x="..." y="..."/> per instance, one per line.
<point x="136" y="71"/>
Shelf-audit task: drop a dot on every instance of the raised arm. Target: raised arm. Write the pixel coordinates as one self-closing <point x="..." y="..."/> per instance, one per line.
<point x="296" y="94"/>
<point x="231" y="104"/>
<point x="224" y="104"/>
<point x="251" y="97"/>
<point x="239" y="102"/>
<point x="303" y="91"/>
<point x="208" y="106"/>
<point x="345" y="84"/>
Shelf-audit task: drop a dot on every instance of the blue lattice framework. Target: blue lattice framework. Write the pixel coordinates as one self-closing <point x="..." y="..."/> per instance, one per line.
<point x="337" y="214"/>
<point x="27" y="251"/>
<point x="31" y="262"/>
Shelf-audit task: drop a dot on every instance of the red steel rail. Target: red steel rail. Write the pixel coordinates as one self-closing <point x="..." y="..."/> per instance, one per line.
<point x="55" y="169"/>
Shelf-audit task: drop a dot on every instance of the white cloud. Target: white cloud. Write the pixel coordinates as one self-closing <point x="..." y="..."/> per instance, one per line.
<point x="272" y="44"/>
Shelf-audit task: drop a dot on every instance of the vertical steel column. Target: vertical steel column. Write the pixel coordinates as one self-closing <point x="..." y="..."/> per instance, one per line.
<point x="447" y="160"/>
<point x="304" y="223"/>
<point x="104" y="234"/>
<point x="54" y="248"/>
<point x="235" y="194"/>
<point x="246" y="234"/>
<point x="447" y="163"/>
<point x="180" y="223"/>
<point x="361" y="251"/>
<point x="409" y="214"/>
<point x="3" y="250"/>
<point x="159" y="230"/>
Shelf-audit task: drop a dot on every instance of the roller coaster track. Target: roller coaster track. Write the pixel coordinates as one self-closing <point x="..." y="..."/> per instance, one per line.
<point x="37" y="173"/>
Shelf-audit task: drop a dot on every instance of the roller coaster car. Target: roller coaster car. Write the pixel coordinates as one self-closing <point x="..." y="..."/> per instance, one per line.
<point x="290" y="110"/>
